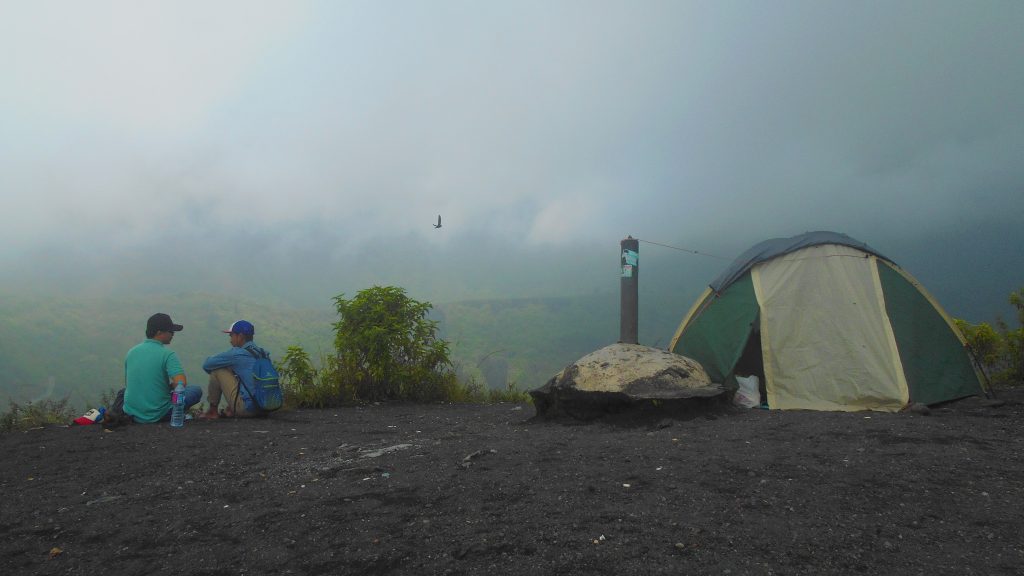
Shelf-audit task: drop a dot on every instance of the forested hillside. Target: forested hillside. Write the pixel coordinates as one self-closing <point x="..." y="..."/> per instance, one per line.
<point x="526" y="341"/>
<point x="51" y="347"/>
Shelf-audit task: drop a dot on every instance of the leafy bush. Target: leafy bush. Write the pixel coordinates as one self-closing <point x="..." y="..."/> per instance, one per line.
<point x="388" y="349"/>
<point x="34" y="415"/>
<point x="999" y="349"/>
<point x="306" y="386"/>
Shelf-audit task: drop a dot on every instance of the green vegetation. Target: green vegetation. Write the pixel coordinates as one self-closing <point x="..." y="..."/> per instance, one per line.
<point x="999" y="349"/>
<point x="35" y="414"/>
<point x="386" y="349"/>
<point x="63" y="355"/>
<point x="307" y="386"/>
<point x="53" y="347"/>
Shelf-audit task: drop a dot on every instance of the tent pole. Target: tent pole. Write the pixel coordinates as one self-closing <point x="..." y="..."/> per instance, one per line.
<point x="629" y="255"/>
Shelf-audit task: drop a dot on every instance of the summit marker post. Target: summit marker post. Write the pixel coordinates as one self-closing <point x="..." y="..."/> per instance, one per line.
<point x="629" y="255"/>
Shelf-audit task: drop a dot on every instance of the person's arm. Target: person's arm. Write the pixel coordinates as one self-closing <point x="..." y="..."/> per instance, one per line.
<point x="222" y="360"/>
<point x="175" y="373"/>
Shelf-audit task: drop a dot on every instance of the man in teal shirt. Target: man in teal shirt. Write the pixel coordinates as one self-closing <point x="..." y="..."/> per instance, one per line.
<point x="151" y="371"/>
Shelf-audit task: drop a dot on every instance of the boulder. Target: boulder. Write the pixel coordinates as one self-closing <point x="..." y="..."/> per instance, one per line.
<point x="621" y="375"/>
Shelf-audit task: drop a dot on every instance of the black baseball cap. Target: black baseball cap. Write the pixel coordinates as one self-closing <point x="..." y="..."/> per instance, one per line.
<point x="161" y="321"/>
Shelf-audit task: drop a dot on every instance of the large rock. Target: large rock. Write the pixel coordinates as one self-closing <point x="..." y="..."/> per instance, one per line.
<point x="620" y="375"/>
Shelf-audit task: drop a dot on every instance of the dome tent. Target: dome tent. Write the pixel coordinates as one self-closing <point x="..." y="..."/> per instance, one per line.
<point x="827" y="323"/>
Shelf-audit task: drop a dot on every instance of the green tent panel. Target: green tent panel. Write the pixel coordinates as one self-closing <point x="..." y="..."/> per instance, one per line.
<point x="937" y="366"/>
<point x="716" y="336"/>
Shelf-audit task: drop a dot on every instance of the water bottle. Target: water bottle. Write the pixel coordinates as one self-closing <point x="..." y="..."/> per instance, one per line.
<point x="178" y="406"/>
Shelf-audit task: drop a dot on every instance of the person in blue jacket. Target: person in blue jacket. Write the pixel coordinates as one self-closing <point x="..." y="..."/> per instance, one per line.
<point x="231" y="375"/>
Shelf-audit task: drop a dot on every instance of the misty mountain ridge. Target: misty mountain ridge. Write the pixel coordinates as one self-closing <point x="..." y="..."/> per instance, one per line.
<point x="511" y="315"/>
<point x="970" y="272"/>
<point x="53" y="347"/>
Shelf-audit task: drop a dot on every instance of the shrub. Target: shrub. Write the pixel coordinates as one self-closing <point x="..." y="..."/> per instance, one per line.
<point x="986" y="344"/>
<point x="388" y="349"/>
<point x="511" y="393"/>
<point x="35" y="414"/>
<point x="385" y="349"/>
<point x="306" y="386"/>
<point x="999" y="350"/>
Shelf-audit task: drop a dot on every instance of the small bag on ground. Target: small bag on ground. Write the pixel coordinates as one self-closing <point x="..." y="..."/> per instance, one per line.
<point x="748" y="395"/>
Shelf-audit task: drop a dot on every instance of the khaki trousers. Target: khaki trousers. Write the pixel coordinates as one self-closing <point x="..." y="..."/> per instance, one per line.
<point x="223" y="382"/>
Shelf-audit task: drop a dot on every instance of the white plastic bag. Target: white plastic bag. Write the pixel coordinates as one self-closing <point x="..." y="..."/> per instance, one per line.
<point x="748" y="395"/>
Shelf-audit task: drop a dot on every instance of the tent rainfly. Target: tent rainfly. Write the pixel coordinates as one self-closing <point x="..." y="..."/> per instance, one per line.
<point x="827" y="323"/>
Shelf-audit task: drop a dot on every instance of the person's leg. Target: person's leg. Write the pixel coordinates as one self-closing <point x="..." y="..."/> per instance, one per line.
<point x="193" y="394"/>
<point x="214" y="390"/>
<point x="227" y="384"/>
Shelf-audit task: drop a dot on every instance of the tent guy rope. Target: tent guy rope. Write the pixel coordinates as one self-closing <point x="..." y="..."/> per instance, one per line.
<point x="684" y="249"/>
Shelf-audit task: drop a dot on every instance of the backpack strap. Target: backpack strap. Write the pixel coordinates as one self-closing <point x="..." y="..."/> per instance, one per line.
<point x="238" y="397"/>
<point x="241" y="381"/>
<point x="260" y="354"/>
<point x="257" y="353"/>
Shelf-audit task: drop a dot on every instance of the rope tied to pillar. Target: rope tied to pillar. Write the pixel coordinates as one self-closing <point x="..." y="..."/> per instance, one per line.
<point x="683" y="249"/>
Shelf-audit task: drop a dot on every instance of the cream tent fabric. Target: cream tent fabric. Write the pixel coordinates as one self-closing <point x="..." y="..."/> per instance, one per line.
<point x="802" y="324"/>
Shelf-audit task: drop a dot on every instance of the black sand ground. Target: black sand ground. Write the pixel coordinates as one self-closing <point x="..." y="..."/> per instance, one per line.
<point x="444" y="489"/>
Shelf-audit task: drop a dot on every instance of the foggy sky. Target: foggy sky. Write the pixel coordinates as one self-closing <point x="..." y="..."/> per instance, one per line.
<point x="179" y="145"/>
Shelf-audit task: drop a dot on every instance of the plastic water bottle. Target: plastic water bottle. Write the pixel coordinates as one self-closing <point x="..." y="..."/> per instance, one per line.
<point x="178" y="406"/>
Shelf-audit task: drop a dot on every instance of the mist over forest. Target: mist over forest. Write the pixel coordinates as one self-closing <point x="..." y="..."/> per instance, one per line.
<point x="970" y="271"/>
<point x="193" y="155"/>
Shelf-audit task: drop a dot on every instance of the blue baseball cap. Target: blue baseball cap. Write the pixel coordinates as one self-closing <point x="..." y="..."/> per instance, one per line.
<point x="241" y="327"/>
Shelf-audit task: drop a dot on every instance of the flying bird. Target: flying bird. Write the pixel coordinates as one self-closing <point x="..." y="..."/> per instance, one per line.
<point x="438" y="225"/>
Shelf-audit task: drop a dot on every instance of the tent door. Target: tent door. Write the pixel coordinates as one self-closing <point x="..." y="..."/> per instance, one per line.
<point x="751" y="362"/>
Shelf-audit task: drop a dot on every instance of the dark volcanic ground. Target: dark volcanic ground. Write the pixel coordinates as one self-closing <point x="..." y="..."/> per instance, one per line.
<point x="468" y="489"/>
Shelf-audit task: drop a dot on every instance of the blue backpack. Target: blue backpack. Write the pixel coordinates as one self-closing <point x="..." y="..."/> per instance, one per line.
<point x="266" y="384"/>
